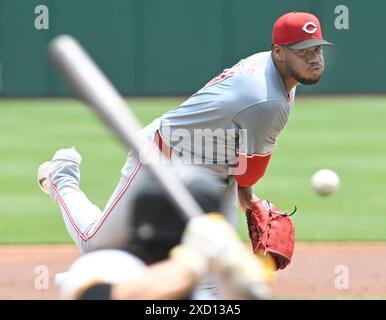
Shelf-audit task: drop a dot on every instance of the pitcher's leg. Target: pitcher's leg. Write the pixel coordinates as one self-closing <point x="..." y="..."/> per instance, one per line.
<point x="79" y="213"/>
<point x="112" y="230"/>
<point x="89" y="227"/>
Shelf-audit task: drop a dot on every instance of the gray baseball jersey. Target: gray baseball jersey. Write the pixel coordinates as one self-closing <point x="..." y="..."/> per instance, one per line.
<point x="242" y="111"/>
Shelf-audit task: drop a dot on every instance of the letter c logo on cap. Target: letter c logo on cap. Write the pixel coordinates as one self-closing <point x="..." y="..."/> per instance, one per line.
<point x="307" y="29"/>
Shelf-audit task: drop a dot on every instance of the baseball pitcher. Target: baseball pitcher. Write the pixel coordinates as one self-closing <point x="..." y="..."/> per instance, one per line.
<point x="230" y="126"/>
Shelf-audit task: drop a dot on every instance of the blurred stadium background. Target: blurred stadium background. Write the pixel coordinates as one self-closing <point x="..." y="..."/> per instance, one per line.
<point x="159" y="52"/>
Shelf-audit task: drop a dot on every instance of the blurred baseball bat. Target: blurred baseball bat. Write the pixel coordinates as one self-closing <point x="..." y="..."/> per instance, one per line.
<point x="85" y="77"/>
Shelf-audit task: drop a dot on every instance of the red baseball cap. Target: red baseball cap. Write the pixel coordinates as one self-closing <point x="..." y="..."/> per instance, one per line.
<point x="298" y="30"/>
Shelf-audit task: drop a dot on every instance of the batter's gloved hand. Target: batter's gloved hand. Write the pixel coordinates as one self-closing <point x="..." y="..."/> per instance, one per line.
<point x="210" y="244"/>
<point x="271" y="232"/>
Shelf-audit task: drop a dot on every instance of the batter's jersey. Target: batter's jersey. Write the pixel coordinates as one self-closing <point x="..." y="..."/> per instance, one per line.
<point x="240" y="112"/>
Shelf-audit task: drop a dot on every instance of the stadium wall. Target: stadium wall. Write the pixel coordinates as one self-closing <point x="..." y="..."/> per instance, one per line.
<point x="173" y="47"/>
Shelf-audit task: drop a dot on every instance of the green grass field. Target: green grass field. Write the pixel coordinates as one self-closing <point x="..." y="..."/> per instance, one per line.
<point x="344" y="134"/>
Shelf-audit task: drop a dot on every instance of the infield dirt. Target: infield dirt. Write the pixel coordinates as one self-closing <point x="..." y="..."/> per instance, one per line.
<point x="318" y="270"/>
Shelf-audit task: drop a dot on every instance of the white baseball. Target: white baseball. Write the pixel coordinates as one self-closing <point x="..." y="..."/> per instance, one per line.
<point x="325" y="182"/>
